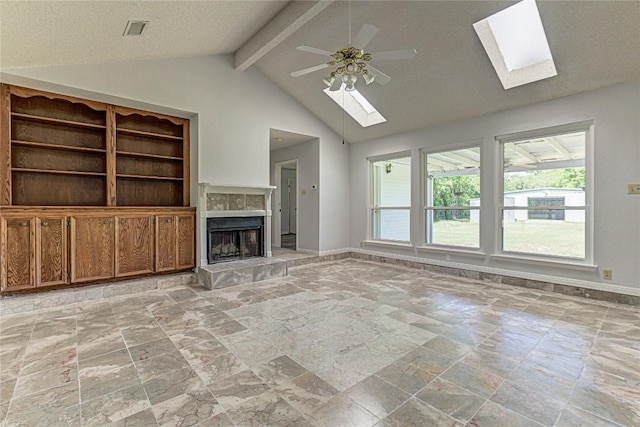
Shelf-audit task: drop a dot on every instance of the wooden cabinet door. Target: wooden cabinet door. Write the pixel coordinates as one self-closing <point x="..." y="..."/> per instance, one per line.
<point x="166" y="242"/>
<point x="17" y="253"/>
<point x="92" y="248"/>
<point x="51" y="254"/>
<point x="186" y="241"/>
<point x="134" y="245"/>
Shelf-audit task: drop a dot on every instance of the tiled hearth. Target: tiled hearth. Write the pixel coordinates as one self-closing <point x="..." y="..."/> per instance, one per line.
<point x="233" y="273"/>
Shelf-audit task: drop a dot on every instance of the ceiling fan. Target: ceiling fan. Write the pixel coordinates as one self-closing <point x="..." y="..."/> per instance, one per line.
<point x="353" y="60"/>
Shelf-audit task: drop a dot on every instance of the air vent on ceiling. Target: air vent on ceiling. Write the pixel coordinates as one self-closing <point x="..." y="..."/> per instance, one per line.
<point x="135" y="28"/>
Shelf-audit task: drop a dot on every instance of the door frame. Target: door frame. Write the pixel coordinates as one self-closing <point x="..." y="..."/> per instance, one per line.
<point x="276" y="218"/>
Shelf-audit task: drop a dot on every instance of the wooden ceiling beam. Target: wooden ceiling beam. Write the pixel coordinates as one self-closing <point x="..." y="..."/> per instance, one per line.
<point x="287" y="22"/>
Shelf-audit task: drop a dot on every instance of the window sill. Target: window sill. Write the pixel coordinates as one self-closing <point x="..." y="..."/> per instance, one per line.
<point x="387" y="243"/>
<point x="452" y="250"/>
<point x="570" y="265"/>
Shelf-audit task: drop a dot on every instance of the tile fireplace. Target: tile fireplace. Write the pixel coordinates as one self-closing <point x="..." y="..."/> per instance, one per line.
<point x="235" y="222"/>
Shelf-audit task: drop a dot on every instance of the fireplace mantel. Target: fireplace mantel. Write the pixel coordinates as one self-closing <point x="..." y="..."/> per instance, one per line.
<point x="220" y="201"/>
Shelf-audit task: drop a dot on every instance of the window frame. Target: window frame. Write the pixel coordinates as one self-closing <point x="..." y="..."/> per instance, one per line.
<point x="371" y="196"/>
<point x="425" y="196"/>
<point x="584" y="126"/>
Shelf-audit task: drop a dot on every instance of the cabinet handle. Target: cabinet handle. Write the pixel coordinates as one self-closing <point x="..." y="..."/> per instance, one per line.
<point x="123" y="221"/>
<point x="24" y="224"/>
<point x="45" y="223"/>
<point x="168" y="220"/>
<point x="106" y="221"/>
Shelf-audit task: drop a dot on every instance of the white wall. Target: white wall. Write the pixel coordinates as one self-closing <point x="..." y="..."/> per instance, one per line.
<point x="615" y="112"/>
<point x="308" y="155"/>
<point x="334" y="194"/>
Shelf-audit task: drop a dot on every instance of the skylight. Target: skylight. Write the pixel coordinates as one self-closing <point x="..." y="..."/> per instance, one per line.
<point x="357" y="106"/>
<point x="517" y="44"/>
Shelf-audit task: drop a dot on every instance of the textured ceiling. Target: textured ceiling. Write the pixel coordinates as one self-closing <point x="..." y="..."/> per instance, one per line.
<point x="594" y="43"/>
<point x="36" y="33"/>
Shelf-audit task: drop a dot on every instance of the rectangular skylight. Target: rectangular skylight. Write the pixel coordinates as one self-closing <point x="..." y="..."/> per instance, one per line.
<point x="516" y="43"/>
<point x="357" y="106"/>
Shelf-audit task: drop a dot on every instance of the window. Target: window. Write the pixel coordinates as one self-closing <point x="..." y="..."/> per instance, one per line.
<point x="452" y="198"/>
<point x="391" y="199"/>
<point x="544" y="210"/>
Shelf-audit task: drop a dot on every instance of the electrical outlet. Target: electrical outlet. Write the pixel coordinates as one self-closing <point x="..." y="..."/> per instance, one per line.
<point x="633" y="188"/>
<point x="607" y="273"/>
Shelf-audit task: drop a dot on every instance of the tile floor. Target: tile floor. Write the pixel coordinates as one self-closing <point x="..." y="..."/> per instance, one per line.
<point x="343" y="343"/>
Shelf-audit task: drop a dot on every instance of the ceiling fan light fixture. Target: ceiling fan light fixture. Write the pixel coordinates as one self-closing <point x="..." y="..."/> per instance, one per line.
<point x="330" y="80"/>
<point x="368" y="77"/>
<point x="349" y="81"/>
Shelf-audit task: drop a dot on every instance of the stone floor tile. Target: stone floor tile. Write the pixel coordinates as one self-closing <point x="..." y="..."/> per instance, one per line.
<point x="196" y="407"/>
<point x="454" y="401"/>
<point x="115" y="406"/>
<point x="237" y="388"/>
<point x="472" y="378"/>
<point x="593" y="399"/>
<point x="267" y="409"/>
<point x="39" y="381"/>
<point x="406" y="376"/>
<point x="575" y="417"/>
<point x="537" y="406"/>
<point x="140" y="334"/>
<point x="279" y="371"/>
<point x="343" y="411"/>
<point x="151" y="349"/>
<point x="55" y="406"/>
<point x="377" y="396"/>
<point x="416" y="413"/>
<point x="443" y="345"/>
<point x="493" y="415"/>
<point x="6" y="390"/>
<point x="141" y="419"/>
<point x="306" y="392"/>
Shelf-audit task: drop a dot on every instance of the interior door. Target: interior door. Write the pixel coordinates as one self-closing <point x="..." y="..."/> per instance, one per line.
<point x="293" y="191"/>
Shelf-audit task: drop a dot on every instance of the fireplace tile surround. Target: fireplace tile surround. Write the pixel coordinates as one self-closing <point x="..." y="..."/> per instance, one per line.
<point x="231" y="201"/>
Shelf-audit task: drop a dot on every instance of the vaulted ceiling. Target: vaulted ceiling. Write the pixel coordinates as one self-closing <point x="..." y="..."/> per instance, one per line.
<point x="594" y="44"/>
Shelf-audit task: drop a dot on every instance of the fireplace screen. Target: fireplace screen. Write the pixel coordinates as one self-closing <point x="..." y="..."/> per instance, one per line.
<point x="234" y="238"/>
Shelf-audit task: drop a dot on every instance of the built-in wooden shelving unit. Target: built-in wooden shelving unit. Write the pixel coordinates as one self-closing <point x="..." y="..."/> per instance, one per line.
<point x="70" y="154"/>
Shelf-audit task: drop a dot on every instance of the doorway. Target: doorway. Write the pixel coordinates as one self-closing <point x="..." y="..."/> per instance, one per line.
<point x="287" y="183"/>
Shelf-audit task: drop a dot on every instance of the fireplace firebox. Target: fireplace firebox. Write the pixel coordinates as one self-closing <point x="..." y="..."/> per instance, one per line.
<point x="233" y="238"/>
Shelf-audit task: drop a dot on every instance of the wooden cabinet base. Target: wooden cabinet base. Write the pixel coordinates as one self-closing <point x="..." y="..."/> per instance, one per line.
<point x="53" y="248"/>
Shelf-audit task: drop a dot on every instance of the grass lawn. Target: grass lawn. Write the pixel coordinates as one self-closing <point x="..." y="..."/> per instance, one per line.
<point x="541" y="237"/>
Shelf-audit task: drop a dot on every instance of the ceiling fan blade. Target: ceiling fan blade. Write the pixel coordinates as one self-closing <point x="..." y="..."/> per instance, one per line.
<point x="366" y="34"/>
<point x="336" y="85"/>
<point x="314" y="50"/>
<point x="381" y="77"/>
<point x="309" y="70"/>
<point x="393" y="54"/>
